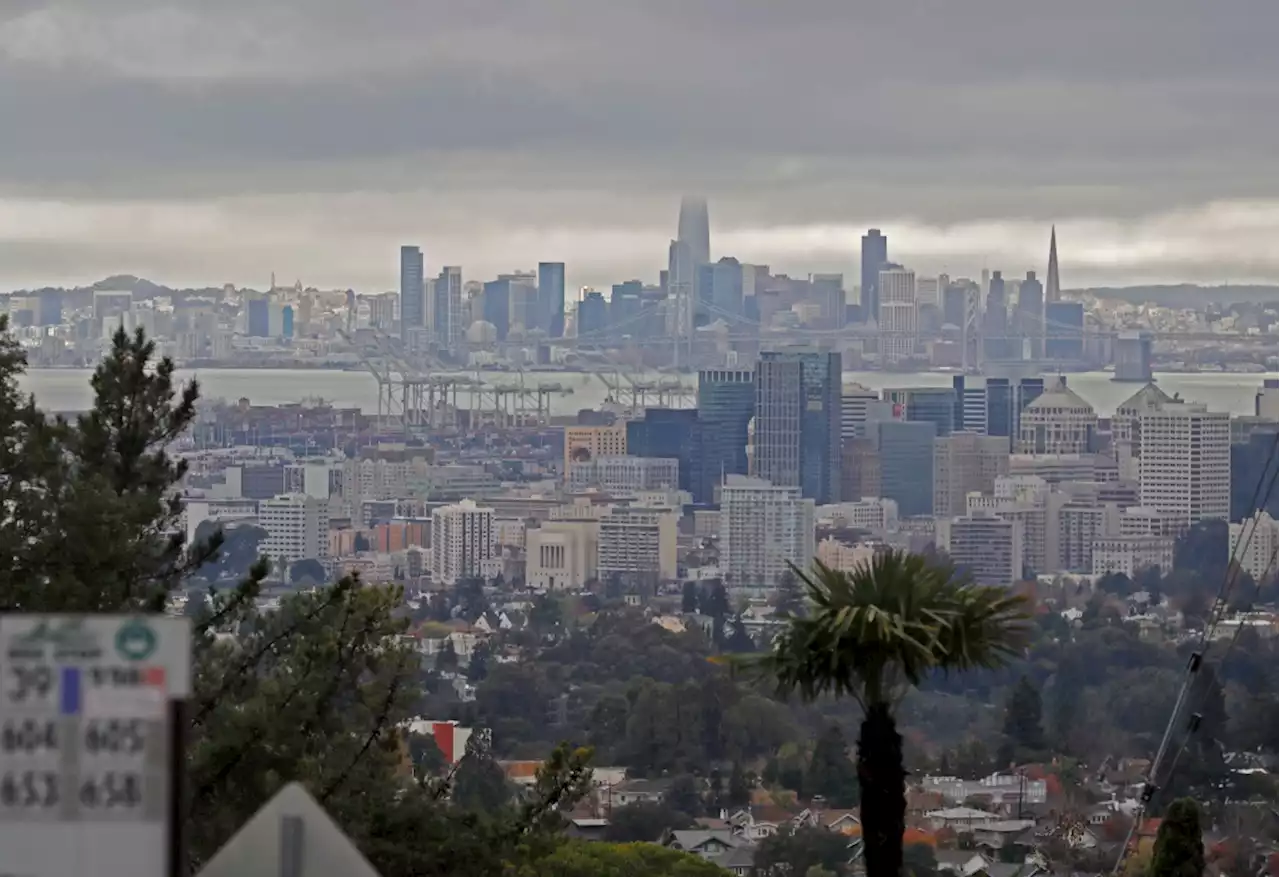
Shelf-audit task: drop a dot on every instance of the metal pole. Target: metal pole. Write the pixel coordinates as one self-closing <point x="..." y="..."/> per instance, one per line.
<point x="177" y="853"/>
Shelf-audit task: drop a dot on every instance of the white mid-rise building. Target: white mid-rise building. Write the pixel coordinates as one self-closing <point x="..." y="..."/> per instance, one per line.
<point x="1130" y="555"/>
<point x="898" y="315"/>
<point x="856" y="403"/>
<point x="763" y="531"/>
<point x="1185" y="466"/>
<point x="638" y="543"/>
<point x="1253" y="545"/>
<point x="863" y="514"/>
<point x="985" y="545"/>
<point x="462" y="543"/>
<point x="297" y="527"/>
<point x="624" y="474"/>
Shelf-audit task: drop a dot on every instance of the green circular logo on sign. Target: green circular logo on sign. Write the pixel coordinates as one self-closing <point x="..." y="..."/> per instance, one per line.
<point x="135" y="640"/>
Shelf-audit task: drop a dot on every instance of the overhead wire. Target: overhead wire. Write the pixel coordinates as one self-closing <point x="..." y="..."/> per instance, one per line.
<point x="1217" y="611"/>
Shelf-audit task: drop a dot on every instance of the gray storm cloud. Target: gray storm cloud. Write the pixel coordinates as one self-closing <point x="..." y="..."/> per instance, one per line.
<point x="198" y="142"/>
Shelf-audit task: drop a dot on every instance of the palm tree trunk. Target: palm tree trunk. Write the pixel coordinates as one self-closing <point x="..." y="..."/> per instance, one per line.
<point x="883" y="792"/>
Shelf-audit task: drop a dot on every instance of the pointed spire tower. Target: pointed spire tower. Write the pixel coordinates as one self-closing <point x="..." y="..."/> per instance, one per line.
<point x="1052" y="290"/>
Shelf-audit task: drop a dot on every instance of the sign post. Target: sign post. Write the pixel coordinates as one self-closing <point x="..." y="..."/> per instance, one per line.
<point x="87" y="742"/>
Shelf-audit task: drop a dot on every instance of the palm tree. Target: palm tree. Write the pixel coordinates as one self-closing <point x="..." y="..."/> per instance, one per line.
<point x="873" y="635"/>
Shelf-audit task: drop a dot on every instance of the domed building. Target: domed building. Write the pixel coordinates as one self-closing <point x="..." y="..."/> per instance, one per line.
<point x="482" y="334"/>
<point x="1057" y="422"/>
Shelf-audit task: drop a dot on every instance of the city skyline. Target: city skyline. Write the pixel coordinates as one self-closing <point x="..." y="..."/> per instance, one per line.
<point x="252" y="138"/>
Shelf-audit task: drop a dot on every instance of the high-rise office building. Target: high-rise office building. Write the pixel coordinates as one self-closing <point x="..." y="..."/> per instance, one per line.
<point x="962" y="463"/>
<point x="447" y="307"/>
<point x="936" y="405"/>
<point x="859" y="406"/>
<point x="551" y="298"/>
<point x="1030" y="314"/>
<point x="719" y="291"/>
<point x="673" y="433"/>
<point x="496" y="306"/>
<point x="764" y="529"/>
<point x="905" y="451"/>
<point x="875" y="255"/>
<point x="593" y="317"/>
<point x="726" y="404"/>
<point x="1185" y="467"/>
<point x="695" y="229"/>
<point x="1064" y="330"/>
<point x="797" y="421"/>
<point x="896" y="288"/>
<point x="995" y="320"/>
<point x="828" y="294"/>
<point x="258" y="318"/>
<point x="413" y="311"/>
<point x="1253" y="544"/>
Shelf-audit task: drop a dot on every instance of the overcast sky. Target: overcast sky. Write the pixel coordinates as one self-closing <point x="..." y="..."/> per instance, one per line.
<point x="197" y="142"/>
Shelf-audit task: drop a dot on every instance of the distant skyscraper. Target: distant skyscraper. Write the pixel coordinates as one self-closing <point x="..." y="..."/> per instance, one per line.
<point x="447" y="306"/>
<point x="258" y="318"/>
<point x="1052" y="287"/>
<point x="1031" y="318"/>
<point x="797" y="422"/>
<point x="896" y="288"/>
<point x="995" y="320"/>
<point x="875" y="255"/>
<point x="497" y="306"/>
<point x="695" y="229"/>
<point x="413" y="312"/>
<point x="551" y="297"/>
<point x="719" y="291"/>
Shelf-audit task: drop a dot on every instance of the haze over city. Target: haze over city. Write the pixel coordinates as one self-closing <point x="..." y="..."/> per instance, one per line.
<point x="197" y="144"/>
<point x="720" y="438"/>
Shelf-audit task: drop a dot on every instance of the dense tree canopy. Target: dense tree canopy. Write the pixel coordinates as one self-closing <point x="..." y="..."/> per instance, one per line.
<point x="314" y="691"/>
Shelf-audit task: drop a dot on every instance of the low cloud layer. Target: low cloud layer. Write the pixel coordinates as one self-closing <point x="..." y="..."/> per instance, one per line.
<point x="201" y="143"/>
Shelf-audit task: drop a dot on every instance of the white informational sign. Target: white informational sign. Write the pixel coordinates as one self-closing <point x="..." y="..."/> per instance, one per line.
<point x="84" y="742"/>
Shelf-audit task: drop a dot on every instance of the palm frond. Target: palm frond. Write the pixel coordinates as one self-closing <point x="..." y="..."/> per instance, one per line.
<point x="901" y="616"/>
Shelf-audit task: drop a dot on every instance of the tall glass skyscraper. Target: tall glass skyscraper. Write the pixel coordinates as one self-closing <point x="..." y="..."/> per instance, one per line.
<point x="726" y="404"/>
<point x="551" y="298"/>
<point x="413" y="312"/>
<point x="797" y="428"/>
<point x="695" y="229"/>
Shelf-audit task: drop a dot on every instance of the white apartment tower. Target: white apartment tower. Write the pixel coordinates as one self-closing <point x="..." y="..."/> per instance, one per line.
<point x="1258" y="557"/>
<point x="297" y="527"/>
<point x="1185" y="463"/>
<point x="462" y="543"/>
<point x="763" y="529"/>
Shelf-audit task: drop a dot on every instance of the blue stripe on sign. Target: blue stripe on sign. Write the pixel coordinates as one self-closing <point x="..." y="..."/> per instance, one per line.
<point x="70" y="691"/>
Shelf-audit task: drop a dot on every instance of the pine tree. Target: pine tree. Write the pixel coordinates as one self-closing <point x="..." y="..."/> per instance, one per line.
<point x="1179" y="849"/>
<point x="314" y="691"/>
<point x="832" y="773"/>
<point x="739" y="793"/>
<point x="447" y="657"/>
<point x="1023" y="731"/>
